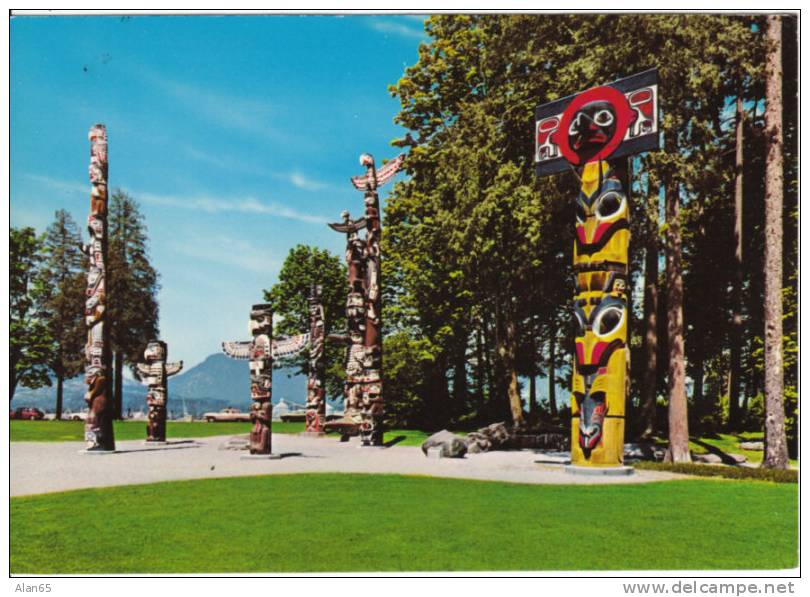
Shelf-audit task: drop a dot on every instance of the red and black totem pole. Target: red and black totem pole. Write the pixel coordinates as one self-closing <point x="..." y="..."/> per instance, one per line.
<point x="260" y="353"/>
<point x="592" y="133"/>
<point x="316" y="393"/>
<point x="354" y="337"/>
<point x="155" y="373"/>
<point x="98" y="428"/>
<point x="371" y="396"/>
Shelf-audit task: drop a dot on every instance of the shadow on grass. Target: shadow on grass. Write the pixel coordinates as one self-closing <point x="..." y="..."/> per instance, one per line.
<point x="394" y="441"/>
<point x="724" y="456"/>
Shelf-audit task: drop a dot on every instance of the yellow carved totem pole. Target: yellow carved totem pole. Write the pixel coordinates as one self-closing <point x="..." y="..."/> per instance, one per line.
<point x="592" y="133"/>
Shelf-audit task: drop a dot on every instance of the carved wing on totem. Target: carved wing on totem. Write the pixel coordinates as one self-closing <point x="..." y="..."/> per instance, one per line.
<point x="338" y="338"/>
<point x="237" y="350"/>
<point x="384" y="174"/>
<point x="350" y="226"/>
<point x="146" y="374"/>
<point x="172" y="368"/>
<point x="288" y="347"/>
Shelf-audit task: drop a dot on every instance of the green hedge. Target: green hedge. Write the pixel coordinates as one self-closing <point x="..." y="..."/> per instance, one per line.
<point x="729" y="472"/>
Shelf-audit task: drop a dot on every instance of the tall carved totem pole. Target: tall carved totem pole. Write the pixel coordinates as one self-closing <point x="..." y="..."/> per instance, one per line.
<point x="354" y="338"/>
<point x="371" y="396"/>
<point x="316" y="393"/>
<point x="592" y="133"/>
<point x="98" y="428"/>
<point x="259" y="352"/>
<point x="155" y="373"/>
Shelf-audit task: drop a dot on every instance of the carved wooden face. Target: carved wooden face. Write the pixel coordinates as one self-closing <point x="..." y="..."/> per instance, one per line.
<point x="602" y="218"/>
<point x="593" y="125"/>
<point x="154" y="352"/>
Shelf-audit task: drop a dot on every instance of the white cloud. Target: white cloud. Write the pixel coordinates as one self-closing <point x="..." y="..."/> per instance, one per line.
<point x="396" y="29"/>
<point x="63" y="186"/>
<point x="229" y="251"/>
<point x="248" y="205"/>
<point x="302" y="182"/>
<point x="244" y="114"/>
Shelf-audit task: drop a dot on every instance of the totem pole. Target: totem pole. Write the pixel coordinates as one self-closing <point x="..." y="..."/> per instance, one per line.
<point x="355" y="316"/>
<point x="259" y="352"/>
<point x="98" y="428"/>
<point x="371" y="396"/>
<point x="155" y="373"/>
<point x="592" y="133"/>
<point x="316" y="393"/>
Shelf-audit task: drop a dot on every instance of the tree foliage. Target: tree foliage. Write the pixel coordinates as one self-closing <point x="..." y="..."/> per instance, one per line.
<point x="30" y="342"/>
<point x="304" y="266"/>
<point x="477" y="252"/>
<point x="60" y="297"/>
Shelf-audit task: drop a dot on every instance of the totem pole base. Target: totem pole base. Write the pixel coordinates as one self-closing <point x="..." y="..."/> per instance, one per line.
<point x="260" y="457"/>
<point x="312" y="434"/>
<point x="599" y="471"/>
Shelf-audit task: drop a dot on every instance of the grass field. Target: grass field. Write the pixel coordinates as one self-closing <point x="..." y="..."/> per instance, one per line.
<point x="331" y="522"/>
<point x="63" y="431"/>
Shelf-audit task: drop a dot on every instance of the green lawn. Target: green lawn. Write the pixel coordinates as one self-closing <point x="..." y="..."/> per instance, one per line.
<point x="341" y="522"/>
<point x="59" y="431"/>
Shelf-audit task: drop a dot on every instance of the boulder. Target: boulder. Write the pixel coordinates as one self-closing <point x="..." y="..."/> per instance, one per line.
<point x="757" y="446"/>
<point x="643" y="451"/>
<point x="491" y="437"/>
<point x="452" y="446"/>
<point x="707" y="458"/>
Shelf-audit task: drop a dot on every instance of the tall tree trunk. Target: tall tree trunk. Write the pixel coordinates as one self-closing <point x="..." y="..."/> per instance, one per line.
<point x="678" y="450"/>
<point x="491" y="367"/>
<point x="479" y="370"/>
<point x="775" y="440"/>
<point x="736" y="295"/>
<point x="697" y="390"/>
<point x="506" y="338"/>
<point x="510" y="362"/>
<point x="649" y="386"/>
<point x="552" y="368"/>
<point x="59" y="391"/>
<point x="119" y="384"/>
<point x="460" y="380"/>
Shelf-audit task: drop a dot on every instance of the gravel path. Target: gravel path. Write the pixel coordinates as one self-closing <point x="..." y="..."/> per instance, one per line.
<point x="41" y="467"/>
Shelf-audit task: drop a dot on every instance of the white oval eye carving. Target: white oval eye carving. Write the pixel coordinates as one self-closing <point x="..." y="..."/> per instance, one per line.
<point x="579" y="212"/>
<point x="608" y="321"/>
<point x="572" y="129"/>
<point x="603" y="118"/>
<point x="580" y="323"/>
<point x="609" y="205"/>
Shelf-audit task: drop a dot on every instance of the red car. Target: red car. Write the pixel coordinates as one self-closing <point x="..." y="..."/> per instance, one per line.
<point x="27" y="412"/>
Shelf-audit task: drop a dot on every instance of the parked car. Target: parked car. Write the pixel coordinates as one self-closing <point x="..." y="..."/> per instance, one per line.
<point x="227" y="414"/>
<point x="27" y="412"/>
<point x="78" y="416"/>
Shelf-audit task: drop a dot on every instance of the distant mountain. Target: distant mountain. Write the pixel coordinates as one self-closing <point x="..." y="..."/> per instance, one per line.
<point x="224" y="379"/>
<point x="214" y="384"/>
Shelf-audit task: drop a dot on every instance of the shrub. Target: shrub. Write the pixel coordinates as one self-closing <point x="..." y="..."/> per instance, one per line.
<point x="728" y="472"/>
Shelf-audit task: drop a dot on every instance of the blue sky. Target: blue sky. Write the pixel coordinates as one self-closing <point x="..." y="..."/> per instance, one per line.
<point x="237" y="136"/>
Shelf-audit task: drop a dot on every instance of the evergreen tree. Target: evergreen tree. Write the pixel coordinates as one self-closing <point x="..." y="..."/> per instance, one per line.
<point x="303" y="267"/>
<point x="60" y="299"/>
<point x="30" y="343"/>
<point x="132" y="286"/>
